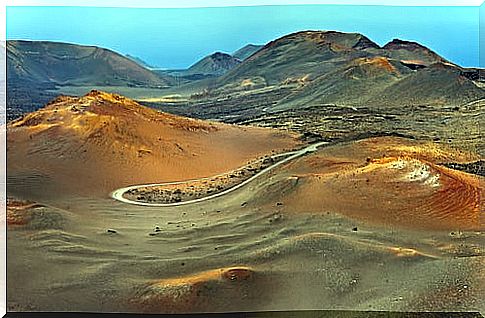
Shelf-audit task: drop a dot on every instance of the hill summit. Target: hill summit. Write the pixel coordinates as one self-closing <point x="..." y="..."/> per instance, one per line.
<point x="215" y="64"/>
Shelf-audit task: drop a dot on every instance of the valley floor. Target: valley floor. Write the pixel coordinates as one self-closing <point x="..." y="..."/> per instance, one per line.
<point x="265" y="246"/>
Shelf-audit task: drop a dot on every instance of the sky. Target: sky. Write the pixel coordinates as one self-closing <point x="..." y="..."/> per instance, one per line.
<point x="178" y="37"/>
<point x="482" y="36"/>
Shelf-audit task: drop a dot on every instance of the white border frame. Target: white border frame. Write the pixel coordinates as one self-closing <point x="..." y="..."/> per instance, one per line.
<point x="3" y="163"/>
<point x="234" y="3"/>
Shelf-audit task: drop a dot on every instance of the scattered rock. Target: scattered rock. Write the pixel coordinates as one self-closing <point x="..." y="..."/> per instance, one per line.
<point x="275" y="218"/>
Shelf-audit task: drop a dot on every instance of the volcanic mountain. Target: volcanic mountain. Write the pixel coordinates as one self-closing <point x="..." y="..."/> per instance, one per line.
<point x="350" y="69"/>
<point x="72" y="64"/>
<point x="100" y="141"/>
<point x="302" y="53"/>
<point x="215" y="64"/>
<point x="34" y="67"/>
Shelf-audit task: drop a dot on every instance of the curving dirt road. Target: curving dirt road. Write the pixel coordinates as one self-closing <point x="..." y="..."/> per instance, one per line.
<point x="118" y="194"/>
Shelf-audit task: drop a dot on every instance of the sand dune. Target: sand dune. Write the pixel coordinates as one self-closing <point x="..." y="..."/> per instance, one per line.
<point x="99" y="142"/>
<point x="385" y="182"/>
<point x="197" y="291"/>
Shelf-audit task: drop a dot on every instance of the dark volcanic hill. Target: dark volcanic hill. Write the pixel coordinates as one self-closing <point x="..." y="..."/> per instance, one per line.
<point x="35" y="67"/>
<point x="299" y="54"/>
<point x="412" y="52"/>
<point x="211" y="66"/>
<point x="71" y="64"/>
<point x="215" y="64"/>
<point x="307" y="68"/>
<point x="438" y="84"/>
<point x="350" y="69"/>
<point x="246" y="51"/>
<point x="380" y="81"/>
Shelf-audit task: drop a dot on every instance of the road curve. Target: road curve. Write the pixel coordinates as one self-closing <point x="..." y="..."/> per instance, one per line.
<point x="118" y="194"/>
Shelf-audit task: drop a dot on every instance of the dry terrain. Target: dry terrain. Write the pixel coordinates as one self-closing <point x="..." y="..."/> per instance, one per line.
<point x="370" y="224"/>
<point x="385" y="214"/>
<point x="105" y="141"/>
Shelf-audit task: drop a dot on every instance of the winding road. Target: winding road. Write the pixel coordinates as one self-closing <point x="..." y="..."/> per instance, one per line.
<point x="118" y="194"/>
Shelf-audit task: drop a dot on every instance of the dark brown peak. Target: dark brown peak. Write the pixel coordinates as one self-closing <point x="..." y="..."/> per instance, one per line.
<point x="362" y="42"/>
<point x="402" y="44"/>
<point x="365" y="43"/>
<point x="306" y="34"/>
<point x="221" y="56"/>
<point x="285" y="38"/>
<point x="312" y="34"/>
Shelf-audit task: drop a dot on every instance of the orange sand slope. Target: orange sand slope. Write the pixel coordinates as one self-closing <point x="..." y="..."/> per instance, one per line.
<point x="196" y="292"/>
<point x="99" y="142"/>
<point x="388" y="181"/>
